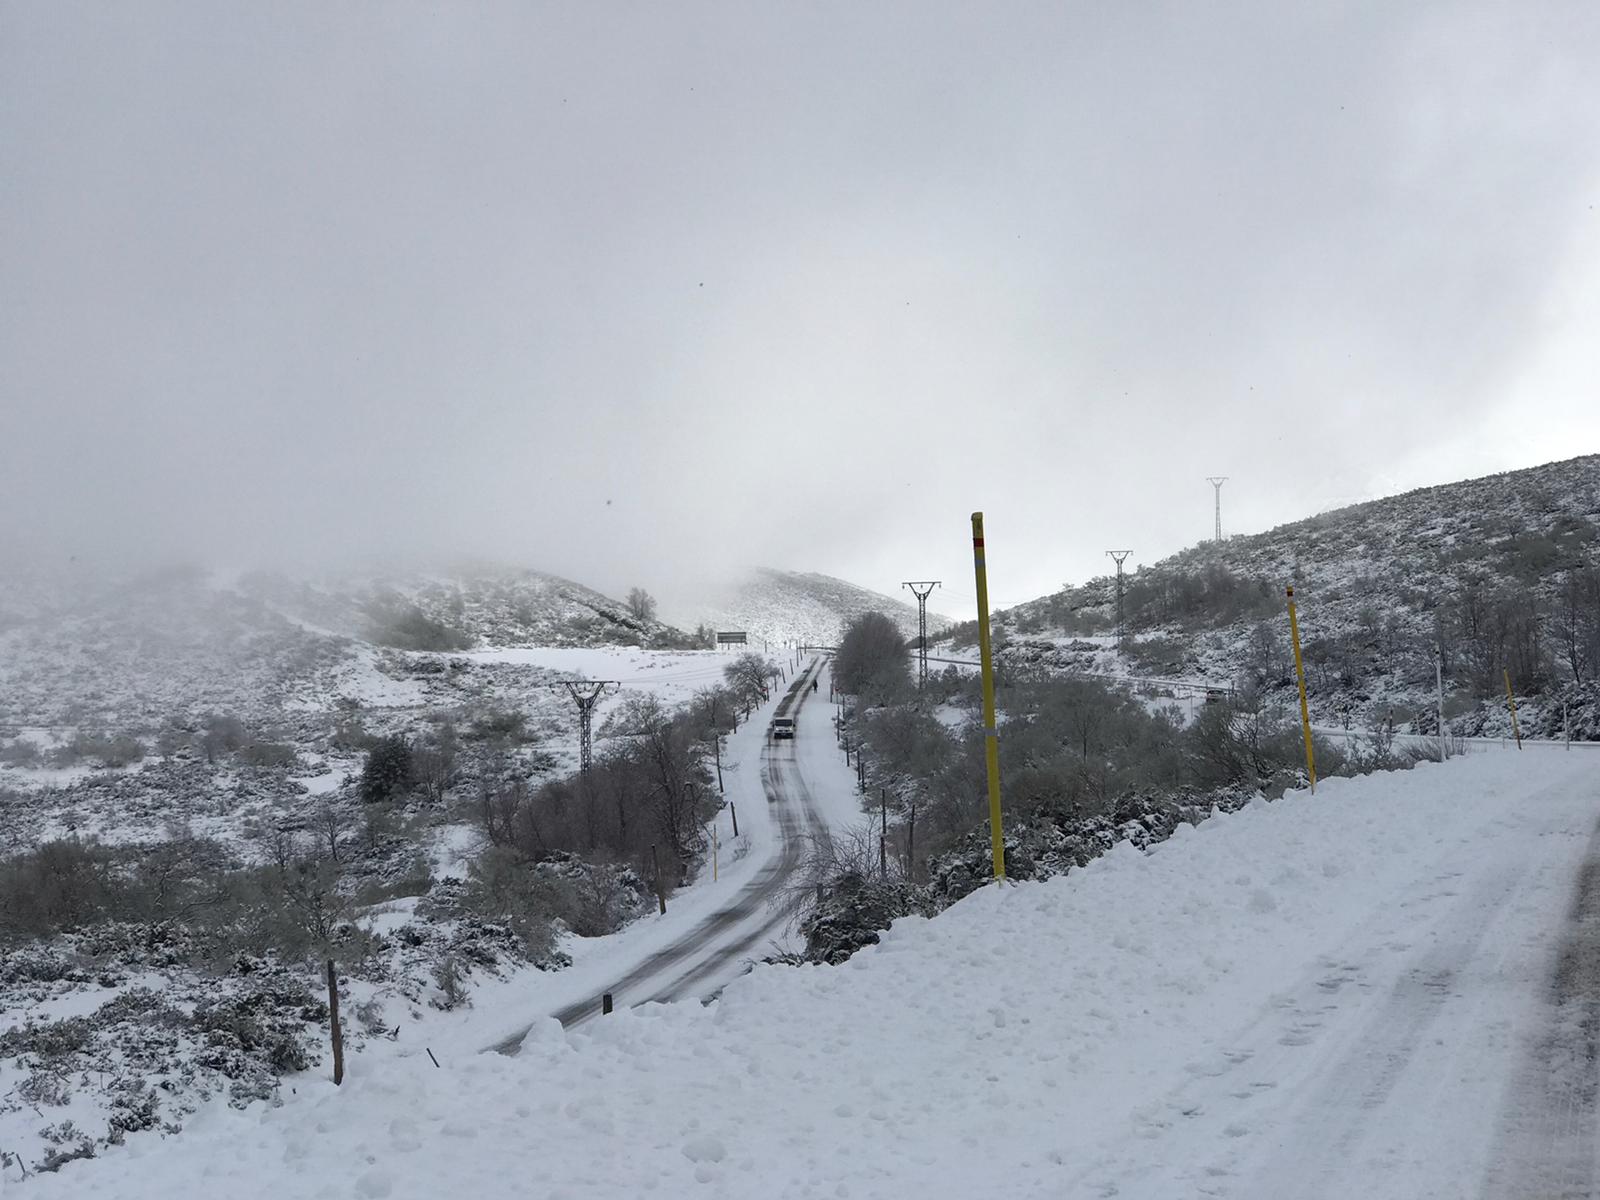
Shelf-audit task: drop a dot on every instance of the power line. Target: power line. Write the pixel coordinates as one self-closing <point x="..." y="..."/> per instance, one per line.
<point x="1216" y="481"/>
<point x="920" y="588"/>
<point x="1119" y="556"/>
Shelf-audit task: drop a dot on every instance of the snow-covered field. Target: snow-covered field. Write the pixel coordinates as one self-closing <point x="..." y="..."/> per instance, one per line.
<point x="672" y="676"/>
<point x="1337" y="995"/>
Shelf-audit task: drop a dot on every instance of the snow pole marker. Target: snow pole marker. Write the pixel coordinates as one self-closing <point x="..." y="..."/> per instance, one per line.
<point x="1511" y="701"/>
<point x="991" y="735"/>
<point x="1305" y="710"/>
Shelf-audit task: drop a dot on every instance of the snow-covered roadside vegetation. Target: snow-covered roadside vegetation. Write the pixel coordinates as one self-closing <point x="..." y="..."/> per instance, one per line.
<point x="1086" y="764"/>
<point x="208" y="802"/>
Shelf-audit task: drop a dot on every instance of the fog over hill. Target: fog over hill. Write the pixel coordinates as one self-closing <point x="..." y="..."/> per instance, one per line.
<point x="792" y="606"/>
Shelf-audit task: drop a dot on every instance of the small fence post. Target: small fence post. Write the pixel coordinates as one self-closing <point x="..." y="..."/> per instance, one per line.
<point x="661" y="892"/>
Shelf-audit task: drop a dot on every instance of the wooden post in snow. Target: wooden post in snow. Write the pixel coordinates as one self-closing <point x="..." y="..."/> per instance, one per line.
<point x="333" y="1024"/>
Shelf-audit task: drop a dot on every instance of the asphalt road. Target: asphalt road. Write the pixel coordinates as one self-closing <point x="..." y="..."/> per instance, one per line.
<point x="696" y="965"/>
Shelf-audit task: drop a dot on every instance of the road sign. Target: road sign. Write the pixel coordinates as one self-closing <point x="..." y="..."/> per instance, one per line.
<point x="733" y="638"/>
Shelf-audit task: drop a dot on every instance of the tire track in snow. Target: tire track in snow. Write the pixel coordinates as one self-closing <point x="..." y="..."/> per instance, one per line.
<point x="674" y="970"/>
<point x="1326" y="1056"/>
<point x="1546" y="1148"/>
<point x="799" y="820"/>
<point x="1345" y="1101"/>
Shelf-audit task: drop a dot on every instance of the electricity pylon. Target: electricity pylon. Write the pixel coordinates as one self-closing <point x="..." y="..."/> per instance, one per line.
<point x="920" y="588"/>
<point x="586" y="693"/>
<point x="1119" y="556"/>
<point x="1217" y="481"/>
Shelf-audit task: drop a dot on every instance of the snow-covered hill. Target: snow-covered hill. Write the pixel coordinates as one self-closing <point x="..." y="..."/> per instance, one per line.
<point x="489" y="607"/>
<point x="1501" y="573"/>
<point x="803" y="608"/>
<point x="137" y="651"/>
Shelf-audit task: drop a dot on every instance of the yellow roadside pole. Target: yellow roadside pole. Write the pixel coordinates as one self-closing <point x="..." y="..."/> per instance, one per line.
<point x="991" y="735"/>
<point x="1305" y="711"/>
<point x="1511" y="701"/>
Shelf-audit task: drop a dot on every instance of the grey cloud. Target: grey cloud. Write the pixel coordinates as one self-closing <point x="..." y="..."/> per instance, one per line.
<point x="790" y="284"/>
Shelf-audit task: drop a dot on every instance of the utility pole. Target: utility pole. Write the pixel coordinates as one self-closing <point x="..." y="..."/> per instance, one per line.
<point x="1216" y="481"/>
<point x="1119" y="556"/>
<point x="1438" y="680"/>
<point x="991" y="734"/>
<point x="920" y="589"/>
<point x="586" y="694"/>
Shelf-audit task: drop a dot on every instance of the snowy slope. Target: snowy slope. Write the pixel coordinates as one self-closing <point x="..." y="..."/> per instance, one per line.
<point x="487" y="606"/>
<point x="792" y="607"/>
<point x="505" y="996"/>
<point x="1340" y="995"/>
<point x="1480" y="564"/>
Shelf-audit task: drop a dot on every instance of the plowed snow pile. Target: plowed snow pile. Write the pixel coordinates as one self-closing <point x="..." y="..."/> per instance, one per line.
<point x="1331" y="995"/>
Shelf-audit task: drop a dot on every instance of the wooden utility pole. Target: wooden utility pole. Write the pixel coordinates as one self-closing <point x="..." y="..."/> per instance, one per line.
<point x="655" y="867"/>
<point x="333" y="1024"/>
<point x="883" y="835"/>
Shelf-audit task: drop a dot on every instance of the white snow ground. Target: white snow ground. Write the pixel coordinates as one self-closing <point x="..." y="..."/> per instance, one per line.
<point x="1340" y="995"/>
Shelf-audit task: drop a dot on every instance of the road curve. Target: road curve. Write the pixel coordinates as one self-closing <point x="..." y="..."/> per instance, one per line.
<point x="690" y="966"/>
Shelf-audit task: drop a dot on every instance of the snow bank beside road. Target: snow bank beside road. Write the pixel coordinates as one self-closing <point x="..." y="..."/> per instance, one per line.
<point x="1056" y="1039"/>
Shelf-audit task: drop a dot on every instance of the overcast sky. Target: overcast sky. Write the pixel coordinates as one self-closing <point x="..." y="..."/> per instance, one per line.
<point x="630" y="292"/>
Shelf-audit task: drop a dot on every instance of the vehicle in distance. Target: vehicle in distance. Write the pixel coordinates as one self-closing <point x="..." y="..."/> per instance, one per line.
<point x="782" y="727"/>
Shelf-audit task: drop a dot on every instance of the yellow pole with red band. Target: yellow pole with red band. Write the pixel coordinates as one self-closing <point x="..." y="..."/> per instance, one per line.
<point x="991" y="735"/>
<point x="1511" y="700"/>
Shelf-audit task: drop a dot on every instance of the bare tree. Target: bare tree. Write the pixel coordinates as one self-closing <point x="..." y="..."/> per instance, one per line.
<point x="641" y="604"/>
<point x="329" y="824"/>
<point x="749" y="676"/>
<point x="433" y="764"/>
<point x="306" y="914"/>
<point x="1577" y="620"/>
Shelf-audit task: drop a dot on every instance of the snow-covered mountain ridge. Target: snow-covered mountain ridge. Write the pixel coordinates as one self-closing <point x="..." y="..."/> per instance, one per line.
<point x="1500" y="573"/>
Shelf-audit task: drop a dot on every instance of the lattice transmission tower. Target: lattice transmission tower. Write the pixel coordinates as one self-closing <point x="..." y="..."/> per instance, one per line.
<point x="1216" y="481"/>
<point x="1119" y="557"/>
<point x="586" y="694"/>
<point x="920" y="588"/>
